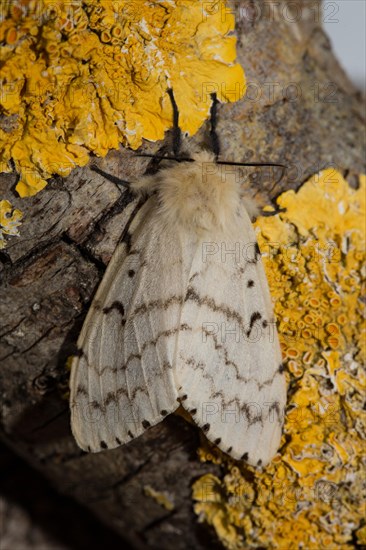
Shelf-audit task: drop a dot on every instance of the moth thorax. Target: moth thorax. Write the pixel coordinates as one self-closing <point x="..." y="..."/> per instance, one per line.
<point x="199" y="196"/>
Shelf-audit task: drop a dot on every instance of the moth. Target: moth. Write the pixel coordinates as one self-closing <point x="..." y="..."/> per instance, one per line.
<point x="183" y="316"/>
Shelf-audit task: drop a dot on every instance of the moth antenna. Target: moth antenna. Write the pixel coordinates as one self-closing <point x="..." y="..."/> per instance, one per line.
<point x="187" y="159"/>
<point x="154" y="164"/>
<point x="273" y="164"/>
<point x="168" y="157"/>
<point x="177" y="134"/>
<point x="110" y="177"/>
<point x="215" y="142"/>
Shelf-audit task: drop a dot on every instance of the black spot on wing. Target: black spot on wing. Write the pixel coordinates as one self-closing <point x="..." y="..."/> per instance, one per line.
<point x="118" y="441"/>
<point x="146" y="424"/>
<point x="193" y="411"/>
<point x="259" y="463"/>
<point x="103" y="445"/>
<point x="217" y="441"/>
<point x="255" y="316"/>
<point x="130" y="434"/>
<point x="206" y="427"/>
<point x="163" y="412"/>
<point x="229" y="450"/>
<point x="131" y="273"/>
<point x="250" y="283"/>
<point x="245" y="456"/>
<point x="116" y="305"/>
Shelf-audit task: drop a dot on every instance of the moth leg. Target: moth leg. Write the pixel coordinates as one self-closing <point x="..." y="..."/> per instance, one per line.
<point x="154" y="165"/>
<point x="177" y="134"/>
<point x="215" y="142"/>
<point x="110" y="177"/>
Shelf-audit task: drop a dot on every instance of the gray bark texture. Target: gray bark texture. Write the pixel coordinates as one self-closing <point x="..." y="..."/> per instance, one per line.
<point x="300" y="110"/>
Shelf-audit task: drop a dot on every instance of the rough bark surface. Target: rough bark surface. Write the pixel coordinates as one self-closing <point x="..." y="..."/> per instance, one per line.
<point x="34" y="516"/>
<point x="301" y="110"/>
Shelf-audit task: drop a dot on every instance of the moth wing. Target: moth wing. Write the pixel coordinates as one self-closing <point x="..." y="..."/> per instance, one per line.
<point x="122" y="381"/>
<point x="229" y="372"/>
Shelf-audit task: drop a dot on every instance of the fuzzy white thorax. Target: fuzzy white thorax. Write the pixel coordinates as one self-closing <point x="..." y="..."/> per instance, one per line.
<point x="200" y="196"/>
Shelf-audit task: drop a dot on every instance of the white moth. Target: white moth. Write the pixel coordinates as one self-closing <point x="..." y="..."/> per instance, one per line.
<point x="183" y="315"/>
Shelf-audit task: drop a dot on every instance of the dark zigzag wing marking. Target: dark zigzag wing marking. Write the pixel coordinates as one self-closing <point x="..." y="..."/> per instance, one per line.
<point x="191" y="295"/>
<point x="135" y="390"/>
<point x="138" y="307"/>
<point x="114" y="370"/>
<point x="219" y="393"/>
<point x="235" y="295"/>
<point x="151" y="343"/>
<point x="222" y="349"/>
<point x="156" y="304"/>
<point x="240" y="270"/>
<point x="119" y="256"/>
<point x="111" y="396"/>
<point x="229" y="313"/>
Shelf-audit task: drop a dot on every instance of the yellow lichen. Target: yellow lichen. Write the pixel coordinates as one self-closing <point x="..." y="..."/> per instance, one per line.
<point x="161" y="498"/>
<point x="84" y="76"/>
<point x="10" y="219"/>
<point x="310" y="496"/>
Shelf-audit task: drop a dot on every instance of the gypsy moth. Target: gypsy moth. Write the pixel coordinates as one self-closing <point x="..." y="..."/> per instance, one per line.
<point x="183" y="315"/>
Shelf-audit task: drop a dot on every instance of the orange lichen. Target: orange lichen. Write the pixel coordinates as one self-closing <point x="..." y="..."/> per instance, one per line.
<point x="85" y="76"/>
<point x="310" y="496"/>
<point x="162" y="498"/>
<point x="10" y="219"/>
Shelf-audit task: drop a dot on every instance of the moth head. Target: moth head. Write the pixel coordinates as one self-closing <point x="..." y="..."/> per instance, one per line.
<point x="199" y="196"/>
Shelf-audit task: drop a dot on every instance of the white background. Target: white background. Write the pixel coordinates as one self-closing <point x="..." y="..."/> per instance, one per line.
<point x="345" y="22"/>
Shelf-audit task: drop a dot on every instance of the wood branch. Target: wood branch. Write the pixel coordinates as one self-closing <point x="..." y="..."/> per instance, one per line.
<point x="34" y="515"/>
<point x="301" y="110"/>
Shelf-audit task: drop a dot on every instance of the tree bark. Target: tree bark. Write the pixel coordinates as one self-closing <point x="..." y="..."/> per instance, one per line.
<point x="301" y="110"/>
